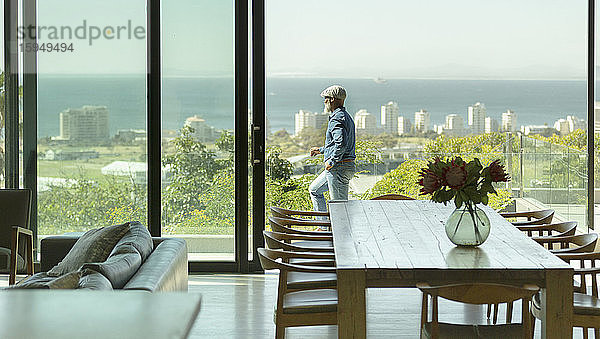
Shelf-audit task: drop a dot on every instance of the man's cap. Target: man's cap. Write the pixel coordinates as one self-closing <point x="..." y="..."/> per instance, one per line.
<point x="335" y="91"/>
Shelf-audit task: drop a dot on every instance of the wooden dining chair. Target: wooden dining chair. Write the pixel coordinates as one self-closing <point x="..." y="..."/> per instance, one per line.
<point x="550" y="230"/>
<point x="298" y="242"/>
<point x="586" y="303"/>
<point x="303" y="307"/>
<point x="16" y="239"/>
<point x="478" y="294"/>
<point x="570" y="243"/>
<point x="540" y="217"/>
<point x="392" y="197"/>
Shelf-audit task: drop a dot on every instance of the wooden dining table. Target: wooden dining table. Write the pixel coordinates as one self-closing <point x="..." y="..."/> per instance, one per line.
<point x="398" y="244"/>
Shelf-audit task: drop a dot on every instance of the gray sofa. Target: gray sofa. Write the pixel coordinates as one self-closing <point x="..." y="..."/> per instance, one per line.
<point x="165" y="269"/>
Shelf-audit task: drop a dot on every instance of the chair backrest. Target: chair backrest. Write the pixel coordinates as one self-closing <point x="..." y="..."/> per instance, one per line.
<point x="540" y="217"/>
<point x="15" y="208"/>
<point x="282" y="225"/>
<point x="392" y="197"/>
<point x="288" y="213"/>
<point x="268" y="260"/>
<point x="557" y="230"/>
<point x="276" y="240"/>
<point x="570" y="244"/>
<point x="587" y="269"/>
<point x="480" y="293"/>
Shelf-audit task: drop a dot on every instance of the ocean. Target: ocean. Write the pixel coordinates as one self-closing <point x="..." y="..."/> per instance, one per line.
<point x="534" y="101"/>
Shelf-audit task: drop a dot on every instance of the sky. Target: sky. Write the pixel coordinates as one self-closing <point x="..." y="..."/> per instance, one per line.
<point x="480" y="39"/>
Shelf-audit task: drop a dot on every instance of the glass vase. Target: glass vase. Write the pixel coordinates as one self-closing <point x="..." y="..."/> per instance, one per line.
<point x="468" y="225"/>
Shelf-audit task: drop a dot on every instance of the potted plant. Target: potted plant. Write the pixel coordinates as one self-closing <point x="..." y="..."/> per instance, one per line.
<point x="468" y="184"/>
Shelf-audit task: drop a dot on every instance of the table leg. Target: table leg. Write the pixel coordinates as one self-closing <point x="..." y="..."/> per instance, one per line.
<point x="557" y="304"/>
<point x="352" y="307"/>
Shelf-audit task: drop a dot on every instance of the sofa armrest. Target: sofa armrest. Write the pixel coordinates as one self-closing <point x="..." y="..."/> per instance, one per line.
<point x="166" y="269"/>
<point x="54" y="249"/>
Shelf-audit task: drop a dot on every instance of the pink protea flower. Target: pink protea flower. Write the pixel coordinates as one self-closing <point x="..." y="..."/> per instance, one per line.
<point x="430" y="181"/>
<point x="456" y="176"/>
<point x="497" y="172"/>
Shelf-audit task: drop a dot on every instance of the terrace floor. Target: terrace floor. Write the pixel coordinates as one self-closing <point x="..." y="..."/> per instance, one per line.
<point x="241" y="306"/>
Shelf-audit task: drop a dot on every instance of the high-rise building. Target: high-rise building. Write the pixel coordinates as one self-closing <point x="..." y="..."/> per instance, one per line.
<point x="491" y="125"/>
<point x="389" y="117"/>
<point x="304" y="119"/>
<point x="202" y="131"/>
<point x="509" y="121"/>
<point x="562" y="126"/>
<point x="404" y="125"/>
<point x="321" y="119"/>
<point x="422" y="121"/>
<point x="365" y="122"/>
<point x="575" y="123"/>
<point x="454" y="125"/>
<point x="476" y="118"/>
<point x="88" y="123"/>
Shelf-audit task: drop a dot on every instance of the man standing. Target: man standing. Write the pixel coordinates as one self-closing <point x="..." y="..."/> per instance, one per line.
<point x="338" y="151"/>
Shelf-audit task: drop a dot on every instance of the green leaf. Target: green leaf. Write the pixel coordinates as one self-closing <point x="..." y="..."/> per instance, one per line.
<point x="484" y="200"/>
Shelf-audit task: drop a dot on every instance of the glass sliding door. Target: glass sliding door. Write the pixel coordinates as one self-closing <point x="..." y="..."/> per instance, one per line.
<point x="198" y="184"/>
<point x="91" y="135"/>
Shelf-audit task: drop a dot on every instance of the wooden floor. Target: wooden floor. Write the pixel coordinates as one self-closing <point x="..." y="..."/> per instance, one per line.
<point x="241" y="306"/>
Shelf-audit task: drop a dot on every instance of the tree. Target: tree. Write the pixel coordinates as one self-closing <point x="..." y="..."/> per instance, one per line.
<point x="193" y="168"/>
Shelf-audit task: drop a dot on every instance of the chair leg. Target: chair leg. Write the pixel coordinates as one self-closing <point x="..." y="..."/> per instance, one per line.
<point x="279" y="332"/>
<point x="489" y="310"/>
<point x="30" y="256"/>
<point x="12" y="274"/>
<point x="509" y="312"/>
<point x="495" y="320"/>
<point x="585" y="333"/>
<point x="596" y="333"/>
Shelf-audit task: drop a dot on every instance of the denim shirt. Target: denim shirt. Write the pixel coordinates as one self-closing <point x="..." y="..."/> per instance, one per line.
<point x="340" y="139"/>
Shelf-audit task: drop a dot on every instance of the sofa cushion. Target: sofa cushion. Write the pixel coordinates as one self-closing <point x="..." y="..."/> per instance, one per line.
<point x="119" y="267"/>
<point x="5" y="261"/>
<point x="43" y="280"/>
<point x="166" y="269"/>
<point x="93" y="280"/>
<point x="139" y="237"/>
<point x="94" y="246"/>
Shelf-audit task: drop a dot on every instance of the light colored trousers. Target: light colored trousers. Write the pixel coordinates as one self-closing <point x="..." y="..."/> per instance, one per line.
<point x="334" y="180"/>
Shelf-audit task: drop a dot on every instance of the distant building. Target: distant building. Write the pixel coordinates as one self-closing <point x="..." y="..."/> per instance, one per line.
<point x="597" y="117"/>
<point x="538" y="129"/>
<point x="321" y="119"/>
<point x="60" y="155"/>
<point x="491" y="125"/>
<point x="422" y="121"/>
<point x="137" y="171"/>
<point x="404" y="125"/>
<point x="304" y="119"/>
<point x="202" y="131"/>
<point x="509" y="121"/>
<point x="476" y="118"/>
<point x="575" y="123"/>
<point x="365" y="123"/>
<point x="130" y="135"/>
<point x="389" y="117"/>
<point x="454" y="125"/>
<point x="85" y="124"/>
<point x="562" y="126"/>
